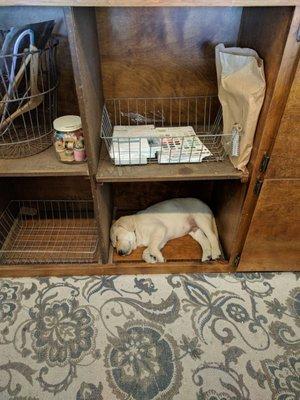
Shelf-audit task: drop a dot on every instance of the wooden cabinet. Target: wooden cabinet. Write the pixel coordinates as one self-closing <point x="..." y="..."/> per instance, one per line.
<point x="165" y="51"/>
<point x="273" y="239"/>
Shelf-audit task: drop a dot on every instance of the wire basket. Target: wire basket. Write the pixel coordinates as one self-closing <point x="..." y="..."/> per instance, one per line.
<point x="205" y="142"/>
<point x="48" y="232"/>
<point x="28" y="101"/>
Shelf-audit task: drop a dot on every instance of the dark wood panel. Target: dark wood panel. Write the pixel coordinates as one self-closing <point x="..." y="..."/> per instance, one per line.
<point x="265" y="29"/>
<point x="52" y="188"/>
<point x="104" y="202"/>
<point x="6" y="193"/>
<point x="163" y="52"/>
<point x="227" y="202"/>
<point x="82" y="30"/>
<point x="16" y="16"/>
<point x="273" y="240"/>
<point x="285" y="156"/>
<point x="132" y="197"/>
<point x="277" y="94"/>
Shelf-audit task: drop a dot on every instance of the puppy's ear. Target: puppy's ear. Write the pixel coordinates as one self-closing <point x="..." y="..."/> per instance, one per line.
<point x="127" y="223"/>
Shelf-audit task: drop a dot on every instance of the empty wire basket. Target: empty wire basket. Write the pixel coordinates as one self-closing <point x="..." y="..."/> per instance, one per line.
<point x="48" y="232"/>
<point x="28" y="100"/>
<point x="196" y="134"/>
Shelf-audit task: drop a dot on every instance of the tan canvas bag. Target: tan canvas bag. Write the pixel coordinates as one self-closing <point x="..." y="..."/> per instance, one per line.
<point x="241" y="89"/>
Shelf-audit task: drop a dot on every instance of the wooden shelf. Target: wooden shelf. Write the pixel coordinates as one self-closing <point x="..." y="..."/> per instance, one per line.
<point x="42" y="164"/>
<point x="107" y="172"/>
<point x="114" y="269"/>
<point x="153" y="3"/>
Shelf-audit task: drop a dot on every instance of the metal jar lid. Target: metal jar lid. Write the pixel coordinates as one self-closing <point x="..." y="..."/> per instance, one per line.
<point x="67" y="123"/>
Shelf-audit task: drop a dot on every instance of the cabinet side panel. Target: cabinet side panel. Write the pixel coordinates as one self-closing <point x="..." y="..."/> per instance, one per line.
<point x="81" y="24"/>
<point x="227" y="203"/>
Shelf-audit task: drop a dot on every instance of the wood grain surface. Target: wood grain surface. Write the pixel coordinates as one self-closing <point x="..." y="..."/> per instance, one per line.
<point x="181" y="249"/>
<point x="108" y="172"/>
<point x="266" y="30"/>
<point x="226" y="202"/>
<point x="42" y="164"/>
<point x="81" y="24"/>
<point x="134" y="196"/>
<point x="190" y="267"/>
<point x="285" y="156"/>
<point x="153" y="3"/>
<point x="49" y="188"/>
<point x="278" y="88"/>
<point x="148" y="52"/>
<point x="273" y="240"/>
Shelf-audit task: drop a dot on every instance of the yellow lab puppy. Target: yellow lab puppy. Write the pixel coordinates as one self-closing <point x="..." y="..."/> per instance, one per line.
<point x="164" y="221"/>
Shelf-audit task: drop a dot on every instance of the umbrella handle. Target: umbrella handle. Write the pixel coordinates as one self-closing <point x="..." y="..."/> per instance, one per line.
<point x="15" y="55"/>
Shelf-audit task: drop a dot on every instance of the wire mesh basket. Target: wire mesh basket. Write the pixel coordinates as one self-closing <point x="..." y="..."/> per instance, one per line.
<point x="28" y="101"/>
<point x="166" y="130"/>
<point x="48" y="232"/>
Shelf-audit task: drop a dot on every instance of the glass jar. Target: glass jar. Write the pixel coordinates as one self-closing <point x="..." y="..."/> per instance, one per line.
<point x="68" y="139"/>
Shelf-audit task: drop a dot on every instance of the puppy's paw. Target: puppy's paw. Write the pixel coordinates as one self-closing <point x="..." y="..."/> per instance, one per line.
<point x="152" y="258"/>
<point x="216" y="254"/>
<point x="159" y="257"/>
<point x="148" y="257"/>
<point x="206" y="257"/>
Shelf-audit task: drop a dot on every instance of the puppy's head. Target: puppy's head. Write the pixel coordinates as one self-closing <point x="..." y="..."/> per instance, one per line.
<point x="122" y="235"/>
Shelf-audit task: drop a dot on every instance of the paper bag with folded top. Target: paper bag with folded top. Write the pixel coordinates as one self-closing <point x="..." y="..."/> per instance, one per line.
<point x="241" y="89"/>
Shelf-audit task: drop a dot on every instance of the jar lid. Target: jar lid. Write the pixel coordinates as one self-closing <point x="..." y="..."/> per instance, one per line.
<point x="67" y="123"/>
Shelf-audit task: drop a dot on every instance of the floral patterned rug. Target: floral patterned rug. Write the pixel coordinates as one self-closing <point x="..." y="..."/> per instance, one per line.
<point x="201" y="337"/>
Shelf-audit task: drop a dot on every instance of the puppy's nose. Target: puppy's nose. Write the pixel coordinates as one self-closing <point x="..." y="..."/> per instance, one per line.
<point x="121" y="252"/>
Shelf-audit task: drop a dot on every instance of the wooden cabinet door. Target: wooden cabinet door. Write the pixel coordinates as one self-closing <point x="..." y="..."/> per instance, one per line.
<point x="273" y="239"/>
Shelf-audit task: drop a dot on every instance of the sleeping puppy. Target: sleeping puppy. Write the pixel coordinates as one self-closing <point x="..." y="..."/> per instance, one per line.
<point x="164" y="221"/>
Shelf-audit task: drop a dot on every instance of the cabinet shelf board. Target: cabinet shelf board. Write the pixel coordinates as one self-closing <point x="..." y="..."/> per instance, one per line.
<point x="42" y="164"/>
<point x="114" y="269"/>
<point x="107" y="172"/>
<point x="153" y="3"/>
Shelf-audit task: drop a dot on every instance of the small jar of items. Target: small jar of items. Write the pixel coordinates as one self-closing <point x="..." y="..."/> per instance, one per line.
<point x="68" y="139"/>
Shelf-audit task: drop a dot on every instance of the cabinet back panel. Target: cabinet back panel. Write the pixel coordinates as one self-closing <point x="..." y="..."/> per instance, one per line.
<point x="163" y="51"/>
<point x="137" y="196"/>
<point x="52" y="188"/>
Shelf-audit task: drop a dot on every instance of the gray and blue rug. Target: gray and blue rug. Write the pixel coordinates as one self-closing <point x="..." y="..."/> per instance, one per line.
<point x="160" y="337"/>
